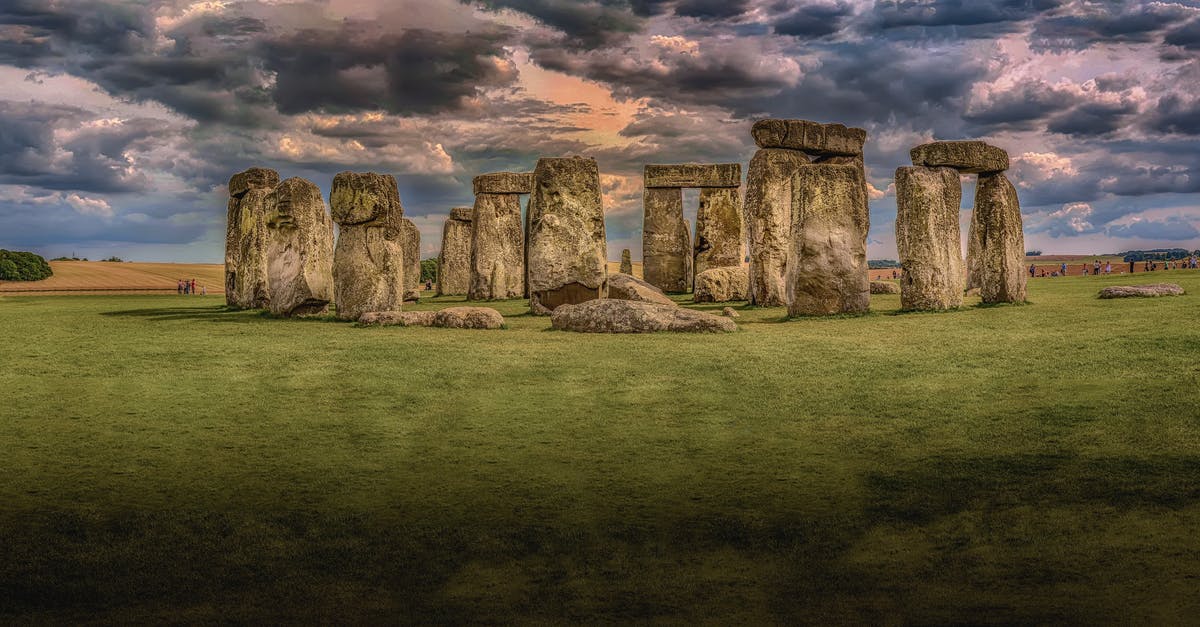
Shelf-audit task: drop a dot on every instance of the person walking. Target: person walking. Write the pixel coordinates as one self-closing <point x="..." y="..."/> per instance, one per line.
<point x="193" y="287"/>
<point x="1108" y="267"/>
<point x="179" y="286"/>
<point x="1096" y="268"/>
<point x="204" y="290"/>
<point x="1062" y="270"/>
<point x="1032" y="270"/>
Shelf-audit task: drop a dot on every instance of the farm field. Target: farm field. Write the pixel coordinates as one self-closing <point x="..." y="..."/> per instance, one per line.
<point x="76" y="277"/>
<point x="168" y="460"/>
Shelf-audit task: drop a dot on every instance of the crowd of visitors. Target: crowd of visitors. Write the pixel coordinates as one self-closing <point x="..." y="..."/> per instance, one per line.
<point x="188" y="286"/>
<point x="1097" y="267"/>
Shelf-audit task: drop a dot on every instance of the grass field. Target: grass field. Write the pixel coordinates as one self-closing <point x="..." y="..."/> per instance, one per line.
<point x="166" y="460"/>
<point x="72" y="277"/>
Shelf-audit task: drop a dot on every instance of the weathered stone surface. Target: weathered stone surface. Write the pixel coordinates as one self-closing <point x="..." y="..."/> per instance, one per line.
<point x="624" y="286"/>
<point x="411" y="241"/>
<point x="971" y="157"/>
<point x="450" y="318"/>
<point x="928" y="238"/>
<point x="730" y="312"/>
<point x="503" y="183"/>
<point x="625" y="316"/>
<point x="245" y="238"/>
<point x="769" y="222"/>
<point x="497" y="248"/>
<point x="718" y="230"/>
<point x="885" y="287"/>
<point x="666" y="241"/>
<point x="810" y="137"/>
<point x="454" y="262"/>
<point x="827" y="258"/>
<point x="721" y="285"/>
<point x="299" y="250"/>
<point x="398" y="318"/>
<point x="974" y="253"/>
<point x="1002" y="240"/>
<point x="626" y="262"/>
<point x="254" y="178"/>
<point x="468" y="318"/>
<point x="1141" y="291"/>
<point x="567" y="248"/>
<point x="368" y="262"/>
<point x="693" y="175"/>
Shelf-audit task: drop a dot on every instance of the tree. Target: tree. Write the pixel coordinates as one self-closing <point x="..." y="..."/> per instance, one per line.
<point x="428" y="270"/>
<point x="22" y="266"/>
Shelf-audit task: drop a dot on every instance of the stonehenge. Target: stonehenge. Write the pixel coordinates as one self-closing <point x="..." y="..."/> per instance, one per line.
<point x="497" y="239"/>
<point x="626" y="262"/>
<point x="245" y="238"/>
<point x="827" y="255"/>
<point x="787" y="147"/>
<point x="299" y="250"/>
<point x="928" y="238"/>
<point x="669" y="259"/>
<point x="448" y="318"/>
<point x="368" y="261"/>
<point x="623" y="286"/>
<point x="567" y="245"/>
<point x="928" y="196"/>
<point x="720" y="285"/>
<point x="627" y="316"/>
<point x="454" y="261"/>
<point x="411" y="237"/>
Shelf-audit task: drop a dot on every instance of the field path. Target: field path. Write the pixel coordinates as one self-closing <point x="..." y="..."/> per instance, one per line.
<point x="83" y="277"/>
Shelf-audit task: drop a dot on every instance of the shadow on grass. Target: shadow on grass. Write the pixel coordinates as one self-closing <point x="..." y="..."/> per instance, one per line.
<point x="218" y="313"/>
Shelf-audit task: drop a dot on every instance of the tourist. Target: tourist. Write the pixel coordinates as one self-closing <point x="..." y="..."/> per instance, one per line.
<point x="179" y="286"/>
<point x="204" y="290"/>
<point x="1062" y="271"/>
<point x="1130" y="267"/>
<point x="1096" y="268"/>
<point x="1032" y="270"/>
<point x="193" y="287"/>
<point x="185" y="287"/>
<point x="1108" y="267"/>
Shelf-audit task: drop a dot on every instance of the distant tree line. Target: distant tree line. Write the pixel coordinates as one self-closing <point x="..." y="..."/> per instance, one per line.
<point x="1033" y="253"/>
<point x="1158" y="254"/>
<point x="879" y="264"/>
<point x="22" y="266"/>
<point x="428" y="270"/>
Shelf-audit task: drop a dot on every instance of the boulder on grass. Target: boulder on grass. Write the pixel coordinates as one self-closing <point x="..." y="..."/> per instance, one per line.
<point x="623" y="286"/>
<point x="625" y="316"/>
<point x="398" y="318"/>
<point x="721" y="285"/>
<point x="1141" y="291"/>
<point x="884" y="287"/>
<point x="450" y="318"/>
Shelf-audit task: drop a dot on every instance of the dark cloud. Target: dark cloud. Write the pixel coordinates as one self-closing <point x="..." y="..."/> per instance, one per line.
<point x="1107" y="22"/>
<point x="1174" y="228"/>
<point x="1176" y="114"/>
<point x="711" y="9"/>
<point x="814" y="20"/>
<point x="1093" y="118"/>
<point x="585" y="24"/>
<point x="888" y="14"/>
<point x="1186" y="35"/>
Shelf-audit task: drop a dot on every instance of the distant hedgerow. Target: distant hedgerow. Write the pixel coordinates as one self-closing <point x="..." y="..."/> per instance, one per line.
<point x="22" y="266"/>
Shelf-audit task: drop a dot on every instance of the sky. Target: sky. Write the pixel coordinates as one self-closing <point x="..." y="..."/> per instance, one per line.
<point x="121" y="122"/>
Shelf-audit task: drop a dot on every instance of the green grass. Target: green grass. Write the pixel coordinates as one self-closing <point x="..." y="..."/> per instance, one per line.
<point x="166" y="460"/>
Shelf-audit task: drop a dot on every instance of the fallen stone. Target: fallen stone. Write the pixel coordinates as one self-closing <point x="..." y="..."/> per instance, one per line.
<point x="368" y="261"/>
<point x="624" y="316"/>
<point x="468" y="318"/>
<point x="411" y="236"/>
<point x="810" y="137"/>
<point x="626" y="262"/>
<point x="454" y="261"/>
<point x="769" y="222"/>
<point x="503" y="183"/>
<point x="497" y="248"/>
<point x="627" y="287"/>
<point x="666" y="241"/>
<point x="1142" y="291"/>
<point x="246" y="285"/>
<point x="827" y="259"/>
<point x="1001" y="264"/>
<point x="398" y="318"/>
<point x="928" y="238"/>
<point x="718" y="230"/>
<point x="884" y="287"/>
<point x="568" y="256"/>
<point x="721" y="285"/>
<point x="968" y="157"/>
<point x="693" y="175"/>
<point x="730" y="312"/>
<point x="299" y="250"/>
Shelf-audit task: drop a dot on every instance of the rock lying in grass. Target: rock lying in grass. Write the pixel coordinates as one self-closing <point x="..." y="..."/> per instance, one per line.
<point x="625" y="316"/>
<point x="730" y="312"/>
<point x="450" y="318"/>
<point x="884" y="287"/>
<point x="622" y="286"/>
<point x="721" y="285"/>
<point x="1141" y="291"/>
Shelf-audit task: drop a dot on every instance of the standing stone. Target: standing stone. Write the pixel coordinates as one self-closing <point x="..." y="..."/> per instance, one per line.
<point x="827" y="258"/>
<point x="567" y="247"/>
<point x="928" y="238"/>
<point x="245" y="238"/>
<point x="666" y="241"/>
<point x="411" y="241"/>
<point x="1002" y="240"/>
<point x="368" y="262"/>
<point x="454" y="262"/>
<point x="497" y="248"/>
<point x="720" y="285"/>
<point x="974" y="252"/>
<point x="502" y="183"/>
<point x="718" y="229"/>
<point x="626" y="262"/>
<point x="299" y="250"/>
<point x="769" y="222"/>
